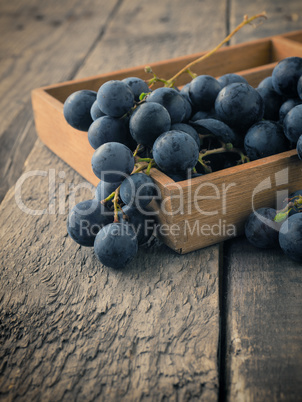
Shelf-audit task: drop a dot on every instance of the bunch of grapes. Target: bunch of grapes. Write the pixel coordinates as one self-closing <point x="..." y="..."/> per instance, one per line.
<point x="209" y="124"/>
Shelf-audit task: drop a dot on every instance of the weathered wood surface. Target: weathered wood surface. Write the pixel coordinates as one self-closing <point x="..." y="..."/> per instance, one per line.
<point x="70" y="328"/>
<point x="41" y="42"/>
<point x="262" y="311"/>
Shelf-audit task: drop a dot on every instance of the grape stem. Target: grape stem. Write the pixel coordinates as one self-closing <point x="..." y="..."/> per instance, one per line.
<point x="187" y="68"/>
<point x="223" y="149"/>
<point x="116" y="205"/>
<point x="283" y="213"/>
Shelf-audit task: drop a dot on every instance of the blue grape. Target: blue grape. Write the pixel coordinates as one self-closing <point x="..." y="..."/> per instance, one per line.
<point x="292" y="124"/>
<point x="137" y="86"/>
<point x="137" y="190"/>
<point x="115" y="98"/>
<point x="286" y="107"/>
<point x="267" y="82"/>
<point x="171" y="100"/>
<point x="265" y="138"/>
<point x="112" y="162"/>
<point x="272" y="103"/>
<point x="148" y="121"/>
<point x="299" y="87"/>
<point x="260" y="228"/>
<point x="290" y="237"/>
<point x="142" y="224"/>
<point x="85" y="220"/>
<point x="187" y="129"/>
<point x="230" y="78"/>
<point x="116" y="245"/>
<point x="201" y="114"/>
<point x="95" y="111"/>
<point x="175" y="151"/>
<point x="286" y="75"/>
<point x="220" y="130"/>
<point x="239" y="105"/>
<point x="203" y="91"/>
<point x="299" y="147"/>
<point x="77" y="107"/>
<point x="108" y="129"/>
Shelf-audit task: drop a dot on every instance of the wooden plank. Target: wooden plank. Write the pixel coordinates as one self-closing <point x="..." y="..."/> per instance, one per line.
<point x="264" y="316"/>
<point x="71" y="328"/>
<point x="261" y="337"/>
<point x="41" y="43"/>
<point x="74" y="329"/>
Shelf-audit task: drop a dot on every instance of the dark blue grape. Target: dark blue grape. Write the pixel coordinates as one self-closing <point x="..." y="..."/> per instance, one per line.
<point x="286" y="75"/>
<point x="230" y="78"/>
<point x="115" y="98"/>
<point x="272" y="103"/>
<point x="142" y="224"/>
<point x="265" y="138"/>
<point x="267" y="82"/>
<point x="95" y="111"/>
<point x="286" y="107"/>
<point x="239" y="105"/>
<point x="137" y="86"/>
<point x="203" y="91"/>
<point x="116" y="245"/>
<point x="149" y="121"/>
<point x="290" y="237"/>
<point x="77" y="107"/>
<point x="219" y="129"/>
<point x="260" y="228"/>
<point x="299" y="147"/>
<point x="292" y="124"/>
<point x="175" y="151"/>
<point x="137" y="190"/>
<point x="299" y="87"/>
<point x="108" y="129"/>
<point x="85" y="220"/>
<point x="112" y="162"/>
<point x="187" y="129"/>
<point x="171" y="100"/>
<point x="188" y="108"/>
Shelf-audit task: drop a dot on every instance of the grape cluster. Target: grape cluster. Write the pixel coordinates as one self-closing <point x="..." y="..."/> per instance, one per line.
<point x="268" y="228"/>
<point x="208" y="125"/>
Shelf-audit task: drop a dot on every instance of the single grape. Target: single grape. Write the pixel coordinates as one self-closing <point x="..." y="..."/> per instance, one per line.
<point x="171" y="100"/>
<point x="299" y="87"/>
<point x="77" y="108"/>
<point x="272" y="103"/>
<point x="267" y="82"/>
<point x="138" y="190"/>
<point x="292" y="124"/>
<point x="286" y="75"/>
<point x="286" y="107"/>
<point x="299" y="147"/>
<point x="239" y="105"/>
<point x="116" y="245"/>
<point x="230" y="78"/>
<point x="108" y="129"/>
<point x="141" y="223"/>
<point x="137" y="86"/>
<point x="265" y="138"/>
<point x="115" y="98"/>
<point x="112" y="162"/>
<point x="203" y="91"/>
<point x="187" y="129"/>
<point x="175" y="151"/>
<point x="290" y="237"/>
<point x="85" y="220"/>
<point x="219" y="129"/>
<point x="260" y="228"/>
<point x="95" y="111"/>
<point x="149" y="121"/>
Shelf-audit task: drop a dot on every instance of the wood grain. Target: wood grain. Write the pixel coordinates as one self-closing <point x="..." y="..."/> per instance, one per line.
<point x="72" y="329"/>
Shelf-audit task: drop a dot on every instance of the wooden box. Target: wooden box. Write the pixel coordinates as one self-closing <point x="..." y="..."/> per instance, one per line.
<point x="205" y="210"/>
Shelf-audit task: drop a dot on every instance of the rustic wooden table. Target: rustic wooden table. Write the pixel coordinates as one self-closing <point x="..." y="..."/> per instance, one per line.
<point x="222" y="323"/>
